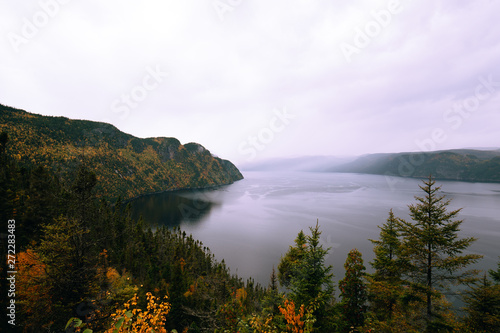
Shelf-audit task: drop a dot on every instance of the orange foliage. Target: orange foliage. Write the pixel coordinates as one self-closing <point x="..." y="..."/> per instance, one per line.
<point x="30" y="272"/>
<point x="295" y="323"/>
<point x="32" y="293"/>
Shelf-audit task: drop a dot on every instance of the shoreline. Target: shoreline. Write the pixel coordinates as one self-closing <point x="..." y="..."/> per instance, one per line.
<point x="181" y="189"/>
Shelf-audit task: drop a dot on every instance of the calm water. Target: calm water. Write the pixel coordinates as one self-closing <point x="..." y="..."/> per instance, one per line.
<point x="252" y="223"/>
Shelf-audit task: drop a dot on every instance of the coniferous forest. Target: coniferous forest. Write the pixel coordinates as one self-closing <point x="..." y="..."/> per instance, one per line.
<point x="84" y="265"/>
<point x="249" y="166"/>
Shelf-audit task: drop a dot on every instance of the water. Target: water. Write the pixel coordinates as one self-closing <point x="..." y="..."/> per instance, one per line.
<point x="251" y="223"/>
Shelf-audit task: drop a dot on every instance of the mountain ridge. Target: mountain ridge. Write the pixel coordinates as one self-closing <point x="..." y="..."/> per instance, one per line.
<point x="452" y="164"/>
<point x="464" y="164"/>
<point x="127" y="166"/>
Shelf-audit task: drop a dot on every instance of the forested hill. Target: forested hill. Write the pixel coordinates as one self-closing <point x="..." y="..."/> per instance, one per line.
<point x="125" y="165"/>
<point x="458" y="164"/>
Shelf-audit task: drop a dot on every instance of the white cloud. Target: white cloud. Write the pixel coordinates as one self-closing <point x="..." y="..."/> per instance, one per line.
<point x="226" y="76"/>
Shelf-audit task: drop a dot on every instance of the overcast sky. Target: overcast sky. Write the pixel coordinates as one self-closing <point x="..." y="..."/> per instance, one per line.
<point x="254" y="79"/>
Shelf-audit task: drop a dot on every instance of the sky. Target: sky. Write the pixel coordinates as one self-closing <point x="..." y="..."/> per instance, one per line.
<point x="258" y="79"/>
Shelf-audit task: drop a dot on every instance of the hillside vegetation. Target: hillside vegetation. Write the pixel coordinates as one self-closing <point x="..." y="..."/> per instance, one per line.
<point x="125" y="165"/>
<point x="459" y="164"/>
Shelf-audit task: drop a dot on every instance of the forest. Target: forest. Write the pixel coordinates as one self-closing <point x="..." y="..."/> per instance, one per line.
<point x="470" y="165"/>
<point x="84" y="265"/>
<point x="124" y="165"/>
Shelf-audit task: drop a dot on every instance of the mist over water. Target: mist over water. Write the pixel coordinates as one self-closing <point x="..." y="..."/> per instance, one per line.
<point x="251" y="223"/>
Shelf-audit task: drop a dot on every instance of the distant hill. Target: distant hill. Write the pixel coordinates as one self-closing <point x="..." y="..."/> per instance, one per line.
<point x="457" y="164"/>
<point x="303" y="163"/>
<point x="125" y="165"/>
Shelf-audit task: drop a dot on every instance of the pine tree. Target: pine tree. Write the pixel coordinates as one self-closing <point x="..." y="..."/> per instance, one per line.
<point x="495" y="275"/>
<point x="483" y="307"/>
<point x="43" y="202"/>
<point x="304" y="271"/>
<point x="385" y="284"/>
<point x="288" y="265"/>
<point x="273" y="297"/>
<point x="70" y="266"/>
<point x="313" y="279"/>
<point x="431" y="245"/>
<point x="387" y="262"/>
<point x="353" y="291"/>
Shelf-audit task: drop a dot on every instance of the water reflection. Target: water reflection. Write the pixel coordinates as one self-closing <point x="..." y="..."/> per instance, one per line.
<point x="173" y="208"/>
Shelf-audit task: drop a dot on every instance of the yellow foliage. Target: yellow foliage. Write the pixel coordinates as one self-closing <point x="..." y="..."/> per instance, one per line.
<point x="241" y="295"/>
<point x="113" y="276"/>
<point x="133" y="319"/>
<point x="262" y="325"/>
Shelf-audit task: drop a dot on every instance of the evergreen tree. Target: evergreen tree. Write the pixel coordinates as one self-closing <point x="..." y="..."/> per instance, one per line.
<point x="70" y="266"/>
<point x="353" y="291"/>
<point x="387" y="262"/>
<point x="431" y="246"/>
<point x="83" y="196"/>
<point x="385" y="284"/>
<point x="495" y="275"/>
<point x="11" y="185"/>
<point x="483" y="307"/>
<point x="273" y="297"/>
<point x="304" y="272"/>
<point x="288" y="265"/>
<point x="43" y="203"/>
<point x="313" y="279"/>
<point x="4" y="138"/>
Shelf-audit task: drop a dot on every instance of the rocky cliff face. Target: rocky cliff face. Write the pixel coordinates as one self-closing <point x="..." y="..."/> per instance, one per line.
<point x="125" y="166"/>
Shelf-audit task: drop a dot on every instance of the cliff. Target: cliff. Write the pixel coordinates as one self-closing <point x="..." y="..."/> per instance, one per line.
<point x="125" y="165"/>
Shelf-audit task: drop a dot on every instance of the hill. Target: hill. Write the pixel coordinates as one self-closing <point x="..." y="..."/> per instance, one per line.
<point x="125" y="165"/>
<point x="457" y="164"/>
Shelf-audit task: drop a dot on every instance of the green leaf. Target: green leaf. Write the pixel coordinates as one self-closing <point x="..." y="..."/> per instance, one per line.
<point x="119" y="323"/>
<point x="88" y="330"/>
<point x="129" y="314"/>
<point x="75" y="322"/>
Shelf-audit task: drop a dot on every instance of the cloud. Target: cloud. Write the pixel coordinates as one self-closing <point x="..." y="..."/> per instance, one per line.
<point x="225" y="77"/>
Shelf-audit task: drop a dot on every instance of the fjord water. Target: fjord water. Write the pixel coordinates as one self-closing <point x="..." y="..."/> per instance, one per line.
<point x="251" y="223"/>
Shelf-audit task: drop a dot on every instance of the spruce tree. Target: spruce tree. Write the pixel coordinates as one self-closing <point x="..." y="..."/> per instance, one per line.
<point x="289" y="264"/>
<point x="483" y="307"/>
<point x="353" y="291"/>
<point x="304" y="272"/>
<point x="385" y="284"/>
<point x="273" y="297"/>
<point x="431" y="245"/>
<point x="495" y="275"/>
<point x="43" y="203"/>
<point x="313" y="280"/>
<point x="70" y="267"/>
<point x="387" y="262"/>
